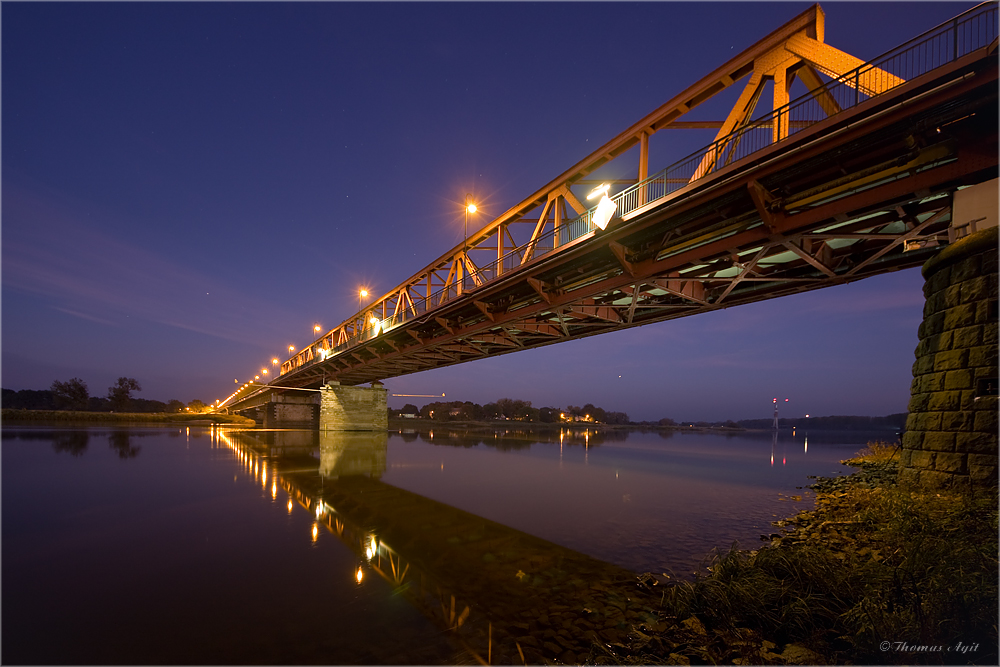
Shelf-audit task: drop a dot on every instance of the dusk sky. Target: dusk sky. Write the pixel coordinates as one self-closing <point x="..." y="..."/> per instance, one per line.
<point x="189" y="187"/>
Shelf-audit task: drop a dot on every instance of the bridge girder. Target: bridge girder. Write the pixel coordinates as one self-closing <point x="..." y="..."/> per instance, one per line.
<point x="835" y="202"/>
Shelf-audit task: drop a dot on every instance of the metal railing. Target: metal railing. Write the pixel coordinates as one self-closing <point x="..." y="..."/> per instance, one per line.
<point x="939" y="46"/>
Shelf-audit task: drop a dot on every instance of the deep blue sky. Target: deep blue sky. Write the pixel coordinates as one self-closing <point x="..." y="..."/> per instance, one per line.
<point x="188" y="187"/>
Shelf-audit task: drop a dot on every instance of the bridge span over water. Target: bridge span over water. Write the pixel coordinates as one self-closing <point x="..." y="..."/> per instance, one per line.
<point x="864" y="173"/>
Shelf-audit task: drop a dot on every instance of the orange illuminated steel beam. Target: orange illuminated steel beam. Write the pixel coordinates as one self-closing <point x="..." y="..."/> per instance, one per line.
<point x="797" y="52"/>
<point x="796" y="48"/>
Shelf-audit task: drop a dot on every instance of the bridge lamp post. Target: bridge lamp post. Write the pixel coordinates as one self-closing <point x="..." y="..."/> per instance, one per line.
<point x="470" y="207"/>
<point x="291" y="348"/>
<point x="362" y="293"/>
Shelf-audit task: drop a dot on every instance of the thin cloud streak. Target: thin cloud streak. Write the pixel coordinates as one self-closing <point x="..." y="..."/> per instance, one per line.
<point x="84" y="271"/>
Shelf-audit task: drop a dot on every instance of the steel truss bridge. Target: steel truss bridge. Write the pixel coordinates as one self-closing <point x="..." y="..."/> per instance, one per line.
<point x="852" y="179"/>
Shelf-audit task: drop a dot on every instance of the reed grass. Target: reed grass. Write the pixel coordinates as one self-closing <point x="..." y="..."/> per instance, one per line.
<point x="877" y="452"/>
<point x="917" y="568"/>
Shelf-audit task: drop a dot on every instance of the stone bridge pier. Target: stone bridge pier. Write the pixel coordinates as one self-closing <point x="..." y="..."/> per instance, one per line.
<point x="951" y="433"/>
<point x="353" y="408"/>
<point x="331" y="408"/>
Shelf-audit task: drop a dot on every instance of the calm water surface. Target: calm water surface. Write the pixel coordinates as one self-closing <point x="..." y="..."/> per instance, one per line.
<point x="202" y="545"/>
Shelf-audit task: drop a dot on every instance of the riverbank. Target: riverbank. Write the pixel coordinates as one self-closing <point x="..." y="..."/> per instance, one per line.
<point x="874" y="575"/>
<point x="472" y="427"/>
<point x="81" y="417"/>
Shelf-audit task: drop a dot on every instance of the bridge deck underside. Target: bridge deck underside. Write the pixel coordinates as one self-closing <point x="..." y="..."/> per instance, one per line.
<point x="837" y="203"/>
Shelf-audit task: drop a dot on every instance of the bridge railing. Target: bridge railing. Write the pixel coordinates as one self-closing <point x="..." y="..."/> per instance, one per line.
<point x="939" y="46"/>
<point x="971" y="30"/>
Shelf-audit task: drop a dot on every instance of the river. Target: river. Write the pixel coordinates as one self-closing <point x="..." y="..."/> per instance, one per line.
<point x="211" y="545"/>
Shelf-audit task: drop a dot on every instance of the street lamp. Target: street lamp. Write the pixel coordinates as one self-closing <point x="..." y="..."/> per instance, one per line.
<point x="274" y="361"/>
<point x="315" y="328"/>
<point x="605" y="208"/>
<point x="361" y="295"/>
<point x="291" y="348"/>
<point x="470" y="207"/>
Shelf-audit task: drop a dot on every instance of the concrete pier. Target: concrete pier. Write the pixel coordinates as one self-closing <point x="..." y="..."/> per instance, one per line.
<point x="292" y="411"/>
<point x="353" y="408"/>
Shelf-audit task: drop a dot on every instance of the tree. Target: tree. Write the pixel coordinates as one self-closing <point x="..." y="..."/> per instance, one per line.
<point x="548" y="415"/>
<point x="410" y="409"/>
<point x="198" y="406"/>
<point x="120" y="393"/>
<point x="71" y="395"/>
<point x="28" y="399"/>
<point x="617" y="418"/>
<point x="174" y="406"/>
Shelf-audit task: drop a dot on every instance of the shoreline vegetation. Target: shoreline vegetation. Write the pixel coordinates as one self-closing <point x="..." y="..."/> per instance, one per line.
<point x="70" y="417"/>
<point x="875" y="574"/>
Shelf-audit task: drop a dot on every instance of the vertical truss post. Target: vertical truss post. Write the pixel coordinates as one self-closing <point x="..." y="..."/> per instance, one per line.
<point x="643" y="164"/>
<point x="500" y="230"/>
<point x="557" y="216"/>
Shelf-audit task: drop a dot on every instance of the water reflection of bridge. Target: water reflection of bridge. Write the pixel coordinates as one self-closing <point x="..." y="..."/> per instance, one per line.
<point x="507" y="597"/>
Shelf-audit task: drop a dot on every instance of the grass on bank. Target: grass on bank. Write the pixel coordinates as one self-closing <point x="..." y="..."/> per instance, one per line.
<point x="9" y="415"/>
<point x="868" y="566"/>
<point x="876" y="453"/>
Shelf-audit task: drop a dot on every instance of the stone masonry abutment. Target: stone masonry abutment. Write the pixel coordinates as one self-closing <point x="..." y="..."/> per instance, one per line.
<point x="950" y="441"/>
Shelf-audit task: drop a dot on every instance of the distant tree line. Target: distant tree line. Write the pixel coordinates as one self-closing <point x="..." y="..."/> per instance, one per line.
<point x="75" y="395"/>
<point x="835" y="423"/>
<point x="508" y="409"/>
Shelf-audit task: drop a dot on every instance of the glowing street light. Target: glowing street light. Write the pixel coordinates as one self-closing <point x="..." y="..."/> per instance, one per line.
<point x="362" y="293"/>
<point x="291" y="348"/>
<point x="274" y="361"/>
<point x="470" y="207"/>
<point x="316" y="328"/>
<point x="605" y="208"/>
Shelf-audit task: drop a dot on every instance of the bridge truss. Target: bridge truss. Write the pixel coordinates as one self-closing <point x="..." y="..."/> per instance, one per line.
<point x="853" y="179"/>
